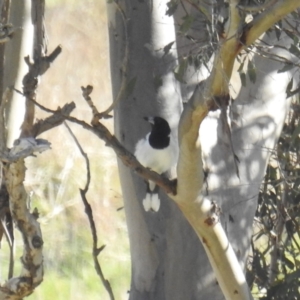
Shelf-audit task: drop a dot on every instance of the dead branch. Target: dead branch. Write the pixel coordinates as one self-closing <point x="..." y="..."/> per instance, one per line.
<point x="32" y="258"/>
<point x="127" y="158"/>
<point x="89" y="212"/>
<point x="14" y="167"/>
<point x="56" y="119"/>
<point x="86" y="91"/>
<point x="37" y="68"/>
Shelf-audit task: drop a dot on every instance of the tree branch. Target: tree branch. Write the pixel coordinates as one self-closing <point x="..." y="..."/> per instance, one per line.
<point x="37" y="68"/>
<point x="263" y="21"/>
<point x="56" y="119"/>
<point x="32" y="258"/>
<point x="14" y="171"/>
<point x="104" y="134"/>
<point x="89" y="212"/>
<point x="123" y="154"/>
<point x="127" y="158"/>
<point x="256" y="8"/>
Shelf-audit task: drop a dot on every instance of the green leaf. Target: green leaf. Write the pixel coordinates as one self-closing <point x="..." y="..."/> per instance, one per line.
<point x="296" y="186"/>
<point x="251" y="72"/>
<point x="288" y="263"/>
<point x="296" y="40"/>
<point x="168" y="47"/>
<point x="196" y="62"/>
<point x="180" y="70"/>
<point x="241" y="67"/>
<point x="259" y="235"/>
<point x="294" y="136"/>
<point x="172" y="6"/>
<point x="294" y="50"/>
<point x="238" y="58"/>
<point x="289" y="87"/>
<point x="243" y="78"/>
<point x="187" y="23"/>
<point x="285" y="68"/>
<point x="158" y="82"/>
<point x="130" y="87"/>
<point x="290" y="34"/>
<point x="277" y="32"/>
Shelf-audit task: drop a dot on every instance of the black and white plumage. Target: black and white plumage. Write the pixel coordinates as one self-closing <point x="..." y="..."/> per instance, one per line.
<point x="158" y="152"/>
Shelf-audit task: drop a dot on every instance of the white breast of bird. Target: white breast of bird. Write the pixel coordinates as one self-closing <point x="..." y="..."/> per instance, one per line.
<point x="158" y="160"/>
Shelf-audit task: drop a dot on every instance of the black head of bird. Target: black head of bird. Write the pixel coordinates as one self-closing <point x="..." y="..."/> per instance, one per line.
<point x="160" y="134"/>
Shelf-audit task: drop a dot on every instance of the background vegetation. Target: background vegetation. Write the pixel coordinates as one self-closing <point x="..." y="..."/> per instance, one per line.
<point x="54" y="177"/>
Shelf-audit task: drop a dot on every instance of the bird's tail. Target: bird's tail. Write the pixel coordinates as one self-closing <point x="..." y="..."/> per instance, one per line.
<point x="151" y="201"/>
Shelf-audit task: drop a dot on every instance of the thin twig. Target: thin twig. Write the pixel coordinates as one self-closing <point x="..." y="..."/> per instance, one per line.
<point x="57" y="118"/>
<point x="3" y="132"/>
<point x="86" y="91"/>
<point x="10" y="242"/>
<point x="124" y="79"/>
<point x="89" y="212"/>
<point x="256" y="8"/>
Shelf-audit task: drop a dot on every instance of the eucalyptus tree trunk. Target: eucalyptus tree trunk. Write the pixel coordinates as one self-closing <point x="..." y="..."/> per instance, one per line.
<point x="168" y="259"/>
<point x="257" y="117"/>
<point x="16" y="49"/>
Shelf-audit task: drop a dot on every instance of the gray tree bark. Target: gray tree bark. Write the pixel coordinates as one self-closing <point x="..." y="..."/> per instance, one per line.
<point x="168" y="260"/>
<point x="15" y="68"/>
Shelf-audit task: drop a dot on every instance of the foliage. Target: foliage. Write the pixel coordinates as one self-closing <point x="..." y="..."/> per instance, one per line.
<point x="274" y="267"/>
<point x="274" y="263"/>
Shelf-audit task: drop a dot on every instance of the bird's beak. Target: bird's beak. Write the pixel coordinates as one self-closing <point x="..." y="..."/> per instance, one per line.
<point x="149" y="119"/>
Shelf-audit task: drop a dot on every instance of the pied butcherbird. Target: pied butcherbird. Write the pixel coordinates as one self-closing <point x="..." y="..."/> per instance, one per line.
<point x="158" y="152"/>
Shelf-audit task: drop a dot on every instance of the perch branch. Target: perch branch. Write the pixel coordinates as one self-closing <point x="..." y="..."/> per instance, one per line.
<point x="123" y="154"/>
<point x="110" y="140"/>
<point x="127" y="158"/>
<point x="89" y="212"/>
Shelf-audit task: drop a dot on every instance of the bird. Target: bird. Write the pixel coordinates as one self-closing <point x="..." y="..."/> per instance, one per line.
<point x="158" y="152"/>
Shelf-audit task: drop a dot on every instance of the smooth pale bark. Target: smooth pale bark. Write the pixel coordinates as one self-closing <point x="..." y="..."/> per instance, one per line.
<point x="201" y="211"/>
<point x="164" y="248"/>
<point x="257" y="116"/>
<point x="15" y="68"/>
<point x="168" y="261"/>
